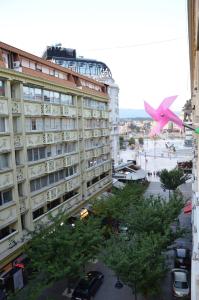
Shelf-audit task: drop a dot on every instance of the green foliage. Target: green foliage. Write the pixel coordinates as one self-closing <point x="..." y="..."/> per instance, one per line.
<point x="139" y="262"/>
<point x="141" y="141"/>
<point x="170" y="180"/>
<point x="121" y="141"/>
<point x="131" y="141"/>
<point x="62" y="251"/>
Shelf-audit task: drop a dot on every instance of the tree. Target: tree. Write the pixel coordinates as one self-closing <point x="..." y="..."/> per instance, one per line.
<point x="60" y="250"/>
<point x="121" y="140"/>
<point x="141" y="141"/>
<point x="132" y="142"/>
<point x="170" y="180"/>
<point x="139" y="263"/>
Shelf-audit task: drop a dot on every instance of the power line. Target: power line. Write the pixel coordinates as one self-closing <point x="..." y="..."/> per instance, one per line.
<point x="135" y="45"/>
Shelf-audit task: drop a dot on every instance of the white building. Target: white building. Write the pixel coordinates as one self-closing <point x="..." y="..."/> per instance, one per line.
<point x="98" y="71"/>
<point x="193" y="29"/>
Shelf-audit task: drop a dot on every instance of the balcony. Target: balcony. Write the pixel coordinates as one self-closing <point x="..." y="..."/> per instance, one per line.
<point x="97" y="152"/>
<point x="88" y="134"/>
<point x="58" y="137"/>
<point x="50" y="166"/>
<point x="104" y="114"/>
<point x="48" y="138"/>
<point x="96" y="132"/>
<point x="37" y="170"/>
<point x="32" y="109"/>
<point x="89" y="154"/>
<point x="87" y="113"/>
<point x="6" y="180"/>
<point x="16" y="107"/>
<point x="71" y="160"/>
<point x="69" y="135"/>
<point x="72" y="184"/>
<point x="8" y="215"/>
<point x="46" y="109"/>
<point x="51" y="194"/>
<point x="3" y="107"/>
<point x="69" y="111"/>
<point x="33" y="140"/>
<point x="105" y="132"/>
<point x="5" y="143"/>
<point x="38" y="200"/>
<point x="96" y="114"/>
<point x="59" y="163"/>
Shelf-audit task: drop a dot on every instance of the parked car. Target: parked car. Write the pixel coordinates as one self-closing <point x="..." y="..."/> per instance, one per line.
<point x="180" y="283"/>
<point x="88" y="286"/>
<point x="182" y="258"/>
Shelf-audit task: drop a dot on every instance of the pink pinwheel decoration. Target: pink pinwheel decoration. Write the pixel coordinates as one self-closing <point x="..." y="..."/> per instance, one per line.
<point x="162" y="115"/>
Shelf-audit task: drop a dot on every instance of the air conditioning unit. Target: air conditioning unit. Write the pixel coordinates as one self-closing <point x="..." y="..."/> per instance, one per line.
<point x="48" y="138"/>
<point x="50" y="166"/>
<point x="16" y="64"/>
<point x="52" y="194"/>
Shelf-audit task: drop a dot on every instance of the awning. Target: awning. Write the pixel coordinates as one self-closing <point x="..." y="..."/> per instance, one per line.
<point x="188" y="207"/>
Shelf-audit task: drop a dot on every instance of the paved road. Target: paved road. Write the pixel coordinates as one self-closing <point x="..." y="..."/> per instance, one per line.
<point x="184" y="222"/>
<point x="155" y="189"/>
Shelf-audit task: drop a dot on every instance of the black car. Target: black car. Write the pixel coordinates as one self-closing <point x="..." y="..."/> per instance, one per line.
<point x="88" y="286"/>
<point x="182" y="258"/>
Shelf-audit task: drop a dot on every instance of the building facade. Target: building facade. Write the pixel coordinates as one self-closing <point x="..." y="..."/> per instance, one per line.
<point x="98" y="71"/>
<point x="54" y="144"/>
<point x="193" y="19"/>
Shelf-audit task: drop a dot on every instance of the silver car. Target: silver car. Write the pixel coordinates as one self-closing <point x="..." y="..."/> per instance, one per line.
<point x="180" y="283"/>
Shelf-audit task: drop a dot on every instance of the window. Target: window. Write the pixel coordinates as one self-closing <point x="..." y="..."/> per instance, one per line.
<point x="59" y="149"/>
<point x="4" y="161"/>
<point x="17" y="157"/>
<point x="67" y="99"/>
<point x="38" y="94"/>
<point x="20" y="189"/>
<point x="38" y="213"/>
<point x="5" y="197"/>
<point x="53" y="204"/>
<point x="6" y="231"/>
<point x="46" y="96"/>
<point x="16" y="124"/>
<point x="48" y="151"/>
<point x="38" y="67"/>
<point x="33" y="124"/>
<point x="2" y="88"/>
<point x="28" y="93"/>
<point x="36" y="154"/>
<point x="2" y="124"/>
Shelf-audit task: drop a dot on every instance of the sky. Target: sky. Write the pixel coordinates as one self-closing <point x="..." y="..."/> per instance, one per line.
<point x="144" y="42"/>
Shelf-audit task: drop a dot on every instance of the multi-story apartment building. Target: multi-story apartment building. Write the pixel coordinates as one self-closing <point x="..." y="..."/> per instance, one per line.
<point x="98" y="71"/>
<point x="193" y="28"/>
<point x="54" y="144"/>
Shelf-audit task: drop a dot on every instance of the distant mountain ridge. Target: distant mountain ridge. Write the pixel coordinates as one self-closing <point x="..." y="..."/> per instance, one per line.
<point x="128" y="113"/>
<point x="132" y="113"/>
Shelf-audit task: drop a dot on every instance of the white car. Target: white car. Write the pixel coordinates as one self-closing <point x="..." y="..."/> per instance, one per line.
<point x="180" y="283"/>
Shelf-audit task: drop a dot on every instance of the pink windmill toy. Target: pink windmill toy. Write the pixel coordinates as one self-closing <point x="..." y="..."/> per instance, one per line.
<point x="162" y="115"/>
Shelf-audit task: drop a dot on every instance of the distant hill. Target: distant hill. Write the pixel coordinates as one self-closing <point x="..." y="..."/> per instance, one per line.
<point x="126" y="113"/>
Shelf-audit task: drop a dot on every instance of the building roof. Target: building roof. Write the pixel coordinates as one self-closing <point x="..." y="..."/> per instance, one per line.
<point x="35" y="58"/>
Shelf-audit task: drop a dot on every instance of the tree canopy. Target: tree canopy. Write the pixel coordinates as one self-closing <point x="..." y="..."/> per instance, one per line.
<point x="170" y="180"/>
